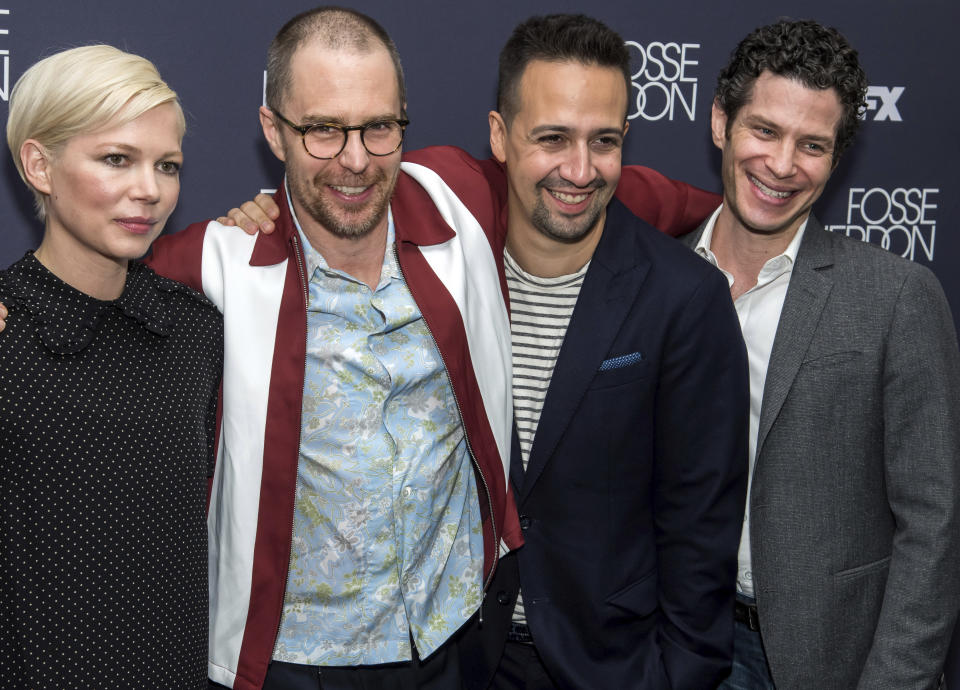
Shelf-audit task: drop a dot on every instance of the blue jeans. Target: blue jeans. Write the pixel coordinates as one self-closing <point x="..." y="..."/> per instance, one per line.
<point x="750" y="670"/>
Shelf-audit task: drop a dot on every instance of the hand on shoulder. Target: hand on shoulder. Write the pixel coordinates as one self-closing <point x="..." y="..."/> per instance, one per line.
<point x="253" y="216"/>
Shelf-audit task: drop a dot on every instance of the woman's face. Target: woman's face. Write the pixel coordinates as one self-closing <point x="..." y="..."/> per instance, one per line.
<point x="112" y="190"/>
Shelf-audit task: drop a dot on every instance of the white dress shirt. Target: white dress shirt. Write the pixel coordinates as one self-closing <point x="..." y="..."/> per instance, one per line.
<point x="759" y="311"/>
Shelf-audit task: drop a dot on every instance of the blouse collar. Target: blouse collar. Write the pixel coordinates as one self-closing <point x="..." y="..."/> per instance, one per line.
<point x="68" y="319"/>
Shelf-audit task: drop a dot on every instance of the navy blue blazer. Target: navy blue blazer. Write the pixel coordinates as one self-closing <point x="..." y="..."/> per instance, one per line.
<point x="632" y="502"/>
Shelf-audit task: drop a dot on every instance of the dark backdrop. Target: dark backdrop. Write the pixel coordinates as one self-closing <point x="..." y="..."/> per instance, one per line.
<point x="896" y="187"/>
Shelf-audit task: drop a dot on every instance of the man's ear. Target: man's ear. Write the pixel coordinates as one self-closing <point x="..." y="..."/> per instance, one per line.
<point x="271" y="132"/>
<point x="498" y="136"/>
<point x="718" y="125"/>
<point x="36" y="159"/>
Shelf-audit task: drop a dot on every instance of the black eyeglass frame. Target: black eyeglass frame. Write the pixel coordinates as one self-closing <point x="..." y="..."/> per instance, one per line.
<point x="302" y="130"/>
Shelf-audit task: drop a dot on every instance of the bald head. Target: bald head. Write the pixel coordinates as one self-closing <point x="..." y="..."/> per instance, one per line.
<point x="336" y="28"/>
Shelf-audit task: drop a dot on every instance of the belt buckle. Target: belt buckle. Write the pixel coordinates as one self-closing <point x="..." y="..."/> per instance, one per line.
<point x="753" y="618"/>
<point x="748" y="615"/>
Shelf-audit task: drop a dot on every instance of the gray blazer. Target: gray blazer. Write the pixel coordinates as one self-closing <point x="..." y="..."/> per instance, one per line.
<point x="855" y="523"/>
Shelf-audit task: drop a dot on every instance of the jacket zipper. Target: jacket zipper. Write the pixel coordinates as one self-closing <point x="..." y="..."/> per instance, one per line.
<point x="466" y="437"/>
<point x="306" y="339"/>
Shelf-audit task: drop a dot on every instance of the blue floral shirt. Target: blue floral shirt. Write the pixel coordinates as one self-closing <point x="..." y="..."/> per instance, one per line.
<point x="387" y="539"/>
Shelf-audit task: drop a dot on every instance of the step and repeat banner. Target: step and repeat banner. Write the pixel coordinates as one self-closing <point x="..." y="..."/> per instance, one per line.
<point x="897" y="187"/>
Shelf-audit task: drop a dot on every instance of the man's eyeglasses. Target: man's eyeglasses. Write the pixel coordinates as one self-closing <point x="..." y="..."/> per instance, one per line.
<point x="326" y="140"/>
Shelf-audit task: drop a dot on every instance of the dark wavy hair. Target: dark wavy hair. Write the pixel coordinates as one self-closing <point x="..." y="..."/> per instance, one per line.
<point x="557" y="38"/>
<point x="817" y="56"/>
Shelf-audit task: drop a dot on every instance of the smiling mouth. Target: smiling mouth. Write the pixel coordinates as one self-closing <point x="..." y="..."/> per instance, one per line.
<point x="569" y="198"/>
<point x="350" y="191"/>
<point x="768" y="191"/>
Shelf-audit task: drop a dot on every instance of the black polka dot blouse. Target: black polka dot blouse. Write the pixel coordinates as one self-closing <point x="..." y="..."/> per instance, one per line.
<point x="107" y="426"/>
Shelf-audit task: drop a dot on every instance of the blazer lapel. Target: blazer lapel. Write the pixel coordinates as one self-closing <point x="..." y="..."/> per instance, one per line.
<point x="806" y="296"/>
<point x="691" y="238"/>
<point x="617" y="270"/>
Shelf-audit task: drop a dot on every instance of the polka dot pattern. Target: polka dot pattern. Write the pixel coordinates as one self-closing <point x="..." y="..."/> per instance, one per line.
<point x="107" y="416"/>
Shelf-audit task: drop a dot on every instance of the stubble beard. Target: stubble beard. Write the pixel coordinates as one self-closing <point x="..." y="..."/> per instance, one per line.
<point x="333" y="218"/>
<point x="568" y="230"/>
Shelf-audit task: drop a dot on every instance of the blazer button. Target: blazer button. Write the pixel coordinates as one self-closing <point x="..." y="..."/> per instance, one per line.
<point x="503" y="597"/>
<point x="524" y="522"/>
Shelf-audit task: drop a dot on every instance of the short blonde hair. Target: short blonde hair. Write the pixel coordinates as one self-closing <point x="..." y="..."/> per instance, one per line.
<point x="78" y="91"/>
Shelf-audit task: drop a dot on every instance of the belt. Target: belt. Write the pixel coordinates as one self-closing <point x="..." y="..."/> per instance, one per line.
<point x="747" y="615"/>
<point x="519" y="632"/>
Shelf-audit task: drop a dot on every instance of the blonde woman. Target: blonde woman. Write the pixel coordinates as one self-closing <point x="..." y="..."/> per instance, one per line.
<point x="108" y="388"/>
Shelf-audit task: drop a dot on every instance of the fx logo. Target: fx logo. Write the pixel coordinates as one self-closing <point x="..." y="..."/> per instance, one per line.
<point x="883" y="100"/>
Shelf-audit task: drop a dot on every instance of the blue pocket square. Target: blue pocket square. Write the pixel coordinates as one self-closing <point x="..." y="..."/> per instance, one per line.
<point x="621" y="361"/>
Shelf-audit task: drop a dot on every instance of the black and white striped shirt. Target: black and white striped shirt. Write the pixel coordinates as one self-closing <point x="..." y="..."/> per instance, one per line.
<point x="540" y="310"/>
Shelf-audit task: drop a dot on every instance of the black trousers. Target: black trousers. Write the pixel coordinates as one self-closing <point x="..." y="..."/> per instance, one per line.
<point x="521" y="669"/>
<point x="440" y="671"/>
